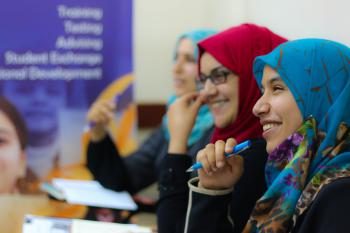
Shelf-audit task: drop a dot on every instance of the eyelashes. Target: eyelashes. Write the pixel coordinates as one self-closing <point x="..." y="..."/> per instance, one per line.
<point x="277" y="88"/>
<point x="185" y="57"/>
<point x="274" y="89"/>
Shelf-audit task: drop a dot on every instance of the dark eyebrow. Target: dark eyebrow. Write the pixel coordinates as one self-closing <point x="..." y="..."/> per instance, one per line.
<point x="217" y="69"/>
<point x="277" y="78"/>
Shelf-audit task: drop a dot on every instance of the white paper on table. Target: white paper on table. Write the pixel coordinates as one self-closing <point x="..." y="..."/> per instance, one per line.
<point x="91" y="193"/>
<point x="36" y="224"/>
<point x="84" y="226"/>
<point x="40" y="224"/>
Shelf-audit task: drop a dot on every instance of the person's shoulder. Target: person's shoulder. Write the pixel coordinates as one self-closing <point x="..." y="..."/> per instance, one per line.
<point x="259" y="143"/>
<point x="157" y="132"/>
<point x="329" y="210"/>
<point x="337" y="191"/>
<point x="333" y="197"/>
<point x="257" y="150"/>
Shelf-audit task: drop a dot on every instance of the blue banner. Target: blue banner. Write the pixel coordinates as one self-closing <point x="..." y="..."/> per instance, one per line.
<point x="56" y="58"/>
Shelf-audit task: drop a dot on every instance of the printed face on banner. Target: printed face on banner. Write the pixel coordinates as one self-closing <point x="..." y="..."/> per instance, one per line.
<point x="55" y="60"/>
<point x="12" y="158"/>
<point x="38" y="101"/>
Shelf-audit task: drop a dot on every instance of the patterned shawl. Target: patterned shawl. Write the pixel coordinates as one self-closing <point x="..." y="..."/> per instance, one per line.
<point x="317" y="72"/>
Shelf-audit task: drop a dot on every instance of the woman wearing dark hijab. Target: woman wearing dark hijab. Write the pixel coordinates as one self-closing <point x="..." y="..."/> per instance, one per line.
<point x="230" y="91"/>
<point x="139" y="169"/>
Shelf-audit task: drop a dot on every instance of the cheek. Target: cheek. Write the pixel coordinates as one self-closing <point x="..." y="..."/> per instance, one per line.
<point x="232" y="95"/>
<point x="191" y="71"/>
<point x="281" y="110"/>
<point x="3" y="164"/>
<point x="296" y="120"/>
<point x="292" y="115"/>
<point x="8" y="174"/>
<point x="231" y="90"/>
<point x="9" y="159"/>
<point x="233" y="109"/>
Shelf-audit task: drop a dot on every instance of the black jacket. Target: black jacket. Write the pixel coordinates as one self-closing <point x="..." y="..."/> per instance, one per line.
<point x="139" y="169"/>
<point x="209" y="213"/>
<point x="328" y="213"/>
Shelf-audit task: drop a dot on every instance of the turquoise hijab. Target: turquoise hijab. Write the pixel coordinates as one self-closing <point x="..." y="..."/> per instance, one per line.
<point x="317" y="72"/>
<point x="195" y="36"/>
<point x="204" y="118"/>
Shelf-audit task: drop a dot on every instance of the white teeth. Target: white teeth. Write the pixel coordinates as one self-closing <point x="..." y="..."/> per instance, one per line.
<point x="217" y="103"/>
<point x="268" y="126"/>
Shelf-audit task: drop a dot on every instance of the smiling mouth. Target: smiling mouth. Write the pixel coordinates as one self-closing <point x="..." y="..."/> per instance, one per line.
<point x="269" y="126"/>
<point x="217" y="103"/>
<point x="178" y="81"/>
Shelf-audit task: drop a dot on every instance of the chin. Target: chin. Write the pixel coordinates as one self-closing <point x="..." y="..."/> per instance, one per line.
<point x="270" y="147"/>
<point x="179" y="92"/>
<point x="221" y="123"/>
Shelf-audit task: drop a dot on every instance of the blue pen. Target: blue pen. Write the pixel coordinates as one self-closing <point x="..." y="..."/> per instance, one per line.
<point x="236" y="150"/>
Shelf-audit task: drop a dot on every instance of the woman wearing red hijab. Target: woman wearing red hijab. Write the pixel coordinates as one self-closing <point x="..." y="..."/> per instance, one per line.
<point x="229" y="88"/>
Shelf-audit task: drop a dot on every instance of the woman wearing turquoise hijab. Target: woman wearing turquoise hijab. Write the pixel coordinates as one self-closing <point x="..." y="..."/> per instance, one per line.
<point x="305" y="118"/>
<point x="186" y="59"/>
<point x="140" y="169"/>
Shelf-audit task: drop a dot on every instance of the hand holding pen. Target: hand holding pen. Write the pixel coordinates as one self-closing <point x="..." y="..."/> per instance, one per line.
<point x="218" y="171"/>
<point x="236" y="150"/>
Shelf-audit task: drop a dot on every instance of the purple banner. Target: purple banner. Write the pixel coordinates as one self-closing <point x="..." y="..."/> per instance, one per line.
<point x="56" y="58"/>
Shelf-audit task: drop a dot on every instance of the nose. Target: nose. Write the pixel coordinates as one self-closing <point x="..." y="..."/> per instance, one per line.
<point x="210" y="88"/>
<point x="261" y="107"/>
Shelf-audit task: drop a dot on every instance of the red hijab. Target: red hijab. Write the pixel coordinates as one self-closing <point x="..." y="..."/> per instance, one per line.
<point x="236" y="49"/>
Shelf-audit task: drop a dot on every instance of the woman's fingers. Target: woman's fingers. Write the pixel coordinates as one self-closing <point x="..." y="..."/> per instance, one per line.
<point x="219" y="172"/>
<point x="220" y="154"/>
<point x="212" y="157"/>
<point x="101" y="112"/>
<point x="210" y="153"/>
<point x="198" y="102"/>
<point x="106" y="111"/>
<point x="230" y="143"/>
<point x="189" y="97"/>
<point x="193" y="99"/>
<point x="203" y="159"/>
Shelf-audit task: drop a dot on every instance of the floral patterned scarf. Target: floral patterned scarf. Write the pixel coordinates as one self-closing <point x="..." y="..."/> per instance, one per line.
<point x="318" y="74"/>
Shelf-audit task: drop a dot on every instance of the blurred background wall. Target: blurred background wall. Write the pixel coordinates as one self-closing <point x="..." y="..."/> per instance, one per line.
<point x="157" y="23"/>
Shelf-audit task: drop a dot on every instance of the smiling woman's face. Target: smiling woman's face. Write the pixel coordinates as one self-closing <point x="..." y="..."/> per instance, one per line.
<point x="12" y="158"/>
<point x="185" y="68"/>
<point x="222" y="98"/>
<point x="278" y="112"/>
